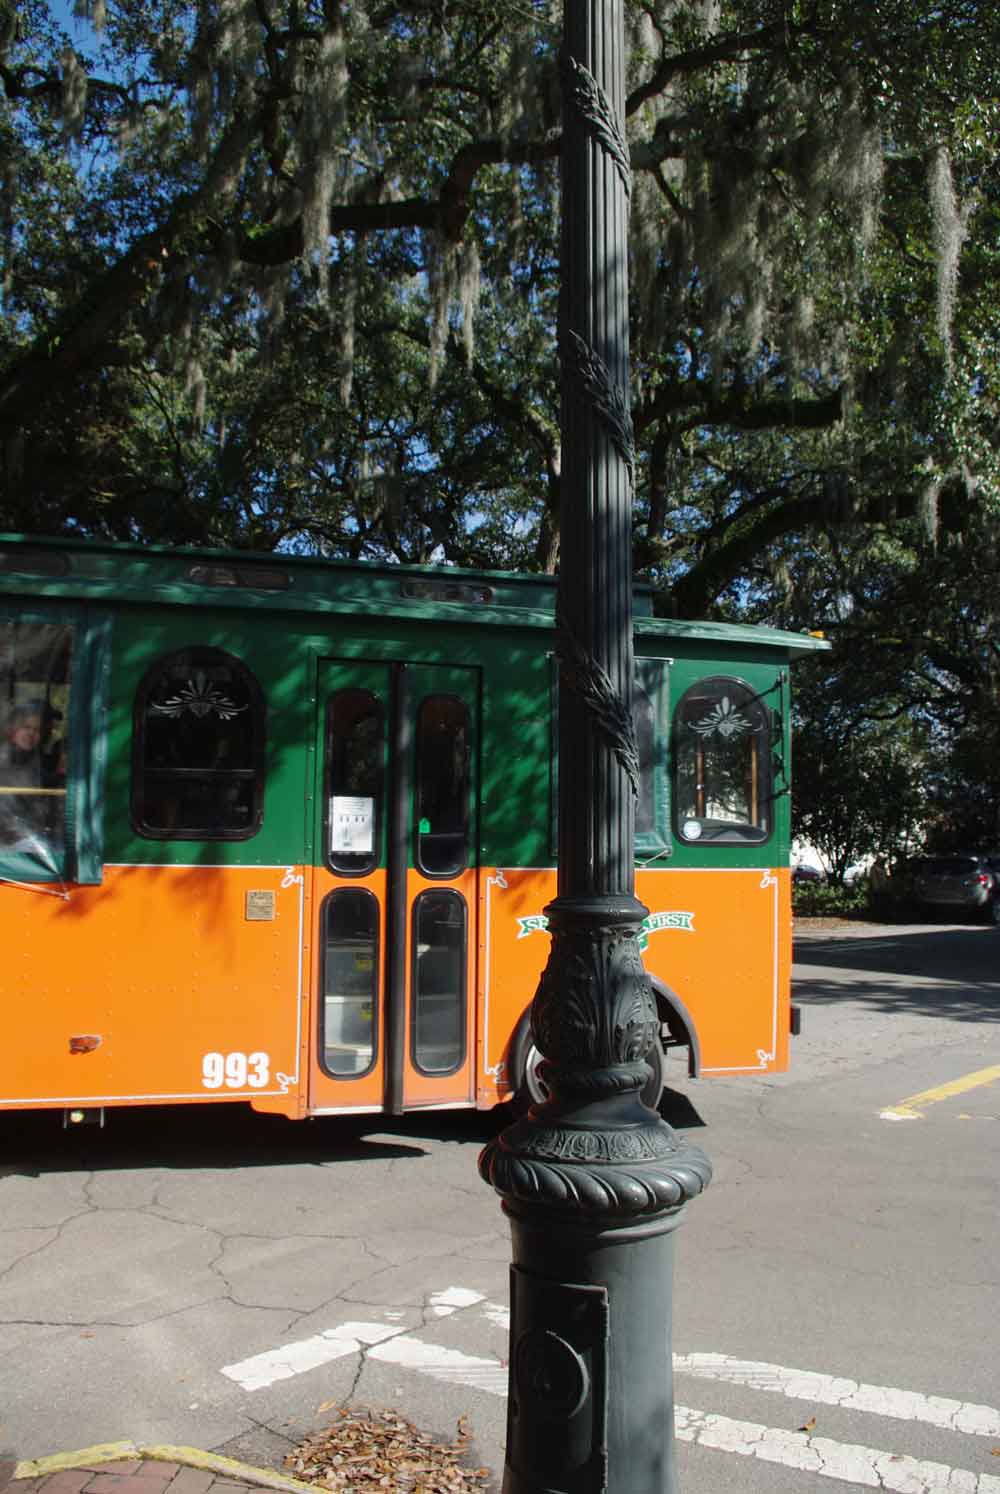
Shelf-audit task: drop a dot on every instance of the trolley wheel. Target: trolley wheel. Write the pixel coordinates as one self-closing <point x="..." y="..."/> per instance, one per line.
<point x="531" y="1089"/>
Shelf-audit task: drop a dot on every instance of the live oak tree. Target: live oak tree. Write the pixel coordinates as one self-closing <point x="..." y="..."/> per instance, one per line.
<point x="285" y="272"/>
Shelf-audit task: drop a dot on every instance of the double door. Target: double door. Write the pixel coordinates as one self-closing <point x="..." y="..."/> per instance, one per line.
<point x="395" y="886"/>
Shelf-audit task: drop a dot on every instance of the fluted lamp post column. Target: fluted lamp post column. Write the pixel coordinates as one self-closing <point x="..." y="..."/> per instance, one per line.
<point x="593" y="1181"/>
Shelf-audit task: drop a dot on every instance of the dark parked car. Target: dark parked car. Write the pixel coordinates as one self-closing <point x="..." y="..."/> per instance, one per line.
<point x="960" y="882"/>
<point x="807" y="874"/>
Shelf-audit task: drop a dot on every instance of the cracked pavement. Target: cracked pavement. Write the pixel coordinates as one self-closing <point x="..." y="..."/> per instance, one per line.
<point x="137" y="1261"/>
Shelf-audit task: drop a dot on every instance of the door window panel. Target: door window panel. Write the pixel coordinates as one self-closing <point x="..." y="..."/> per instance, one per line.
<point x="651" y="720"/>
<point x="722" y="764"/>
<point x="439" y="961"/>
<point x="442" y="786"/>
<point x="35" y="667"/>
<point x="198" y="772"/>
<point x="355" y="758"/>
<point x="645" y="741"/>
<point x="350" y="983"/>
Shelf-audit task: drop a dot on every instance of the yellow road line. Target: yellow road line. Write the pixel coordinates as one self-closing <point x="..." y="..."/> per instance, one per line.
<point x="910" y="1109"/>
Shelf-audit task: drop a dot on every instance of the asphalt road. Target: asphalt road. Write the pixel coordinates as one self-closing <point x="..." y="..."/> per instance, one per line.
<point x="212" y="1278"/>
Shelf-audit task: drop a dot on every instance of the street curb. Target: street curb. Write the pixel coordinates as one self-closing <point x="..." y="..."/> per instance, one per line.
<point x="188" y="1457"/>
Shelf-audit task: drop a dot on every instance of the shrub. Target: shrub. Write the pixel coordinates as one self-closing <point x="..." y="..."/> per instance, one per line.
<point x="826" y="900"/>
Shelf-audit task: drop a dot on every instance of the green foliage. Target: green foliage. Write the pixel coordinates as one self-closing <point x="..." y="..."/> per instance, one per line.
<point x="830" y="900"/>
<point x="287" y="274"/>
<point x="862" y="768"/>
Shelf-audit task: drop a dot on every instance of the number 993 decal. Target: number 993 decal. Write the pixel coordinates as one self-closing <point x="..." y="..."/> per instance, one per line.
<point x="235" y="1070"/>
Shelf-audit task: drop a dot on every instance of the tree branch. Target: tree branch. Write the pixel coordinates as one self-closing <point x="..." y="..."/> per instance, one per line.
<point x="695" y="592"/>
<point x="725" y="49"/>
<point x="82" y="336"/>
<point x="738" y="409"/>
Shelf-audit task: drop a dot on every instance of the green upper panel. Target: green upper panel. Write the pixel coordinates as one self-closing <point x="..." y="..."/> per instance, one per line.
<point x="275" y="618"/>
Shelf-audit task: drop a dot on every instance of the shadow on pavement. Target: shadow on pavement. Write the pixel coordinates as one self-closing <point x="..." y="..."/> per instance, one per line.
<point x="950" y="972"/>
<point x="217" y="1136"/>
<point x="188" y="1137"/>
<point x="678" y="1111"/>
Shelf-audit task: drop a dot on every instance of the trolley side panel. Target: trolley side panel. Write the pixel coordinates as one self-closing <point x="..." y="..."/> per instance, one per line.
<point x="162" y="984"/>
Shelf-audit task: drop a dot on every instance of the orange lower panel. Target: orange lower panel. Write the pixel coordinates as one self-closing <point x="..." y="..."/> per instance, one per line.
<point x="199" y="983"/>
<point x="161" y="984"/>
<point x="719" y="940"/>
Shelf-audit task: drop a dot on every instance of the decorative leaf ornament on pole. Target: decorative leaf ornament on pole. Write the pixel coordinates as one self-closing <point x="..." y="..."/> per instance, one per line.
<point x="593" y="1181"/>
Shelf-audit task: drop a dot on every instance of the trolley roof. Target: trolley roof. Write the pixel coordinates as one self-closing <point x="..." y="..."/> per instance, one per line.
<point x="114" y="572"/>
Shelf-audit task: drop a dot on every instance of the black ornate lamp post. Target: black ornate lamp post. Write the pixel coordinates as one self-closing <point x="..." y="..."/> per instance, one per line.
<point x="593" y="1181"/>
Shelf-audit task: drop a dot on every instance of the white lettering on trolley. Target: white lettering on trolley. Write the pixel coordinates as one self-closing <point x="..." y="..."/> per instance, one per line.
<point x="235" y="1070"/>
<point x="537" y="923"/>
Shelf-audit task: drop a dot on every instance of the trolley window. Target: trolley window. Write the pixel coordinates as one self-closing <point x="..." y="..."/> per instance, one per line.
<point x="651" y="715"/>
<point x="439" y="959"/>
<point x="442" y="763"/>
<point x="52" y="677"/>
<point x="355" y="746"/>
<point x="651" y="720"/>
<point x="722" y="758"/>
<point x="350" y="983"/>
<point x="198" y="765"/>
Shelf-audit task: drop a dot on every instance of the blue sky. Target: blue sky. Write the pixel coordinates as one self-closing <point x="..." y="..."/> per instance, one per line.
<point x="81" y="32"/>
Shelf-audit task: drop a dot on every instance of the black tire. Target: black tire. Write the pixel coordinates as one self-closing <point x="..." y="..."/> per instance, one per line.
<point x="530" y="1089"/>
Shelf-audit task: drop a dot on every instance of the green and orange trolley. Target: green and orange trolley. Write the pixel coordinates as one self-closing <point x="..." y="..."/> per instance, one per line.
<point x="281" y="829"/>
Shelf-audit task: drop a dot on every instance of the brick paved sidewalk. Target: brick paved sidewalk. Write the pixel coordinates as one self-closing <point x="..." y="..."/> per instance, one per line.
<point x="130" y="1476"/>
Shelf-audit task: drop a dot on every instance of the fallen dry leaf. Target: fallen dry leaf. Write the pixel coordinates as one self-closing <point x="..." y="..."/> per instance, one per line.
<point x="365" y="1450"/>
<point x="808" y="1425"/>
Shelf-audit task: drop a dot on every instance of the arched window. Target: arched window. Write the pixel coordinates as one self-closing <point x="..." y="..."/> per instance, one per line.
<point x="198" y="749"/>
<point x="722" y="782"/>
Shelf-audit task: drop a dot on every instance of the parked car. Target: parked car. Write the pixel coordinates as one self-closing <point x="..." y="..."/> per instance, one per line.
<point x="962" y="882"/>
<point x="807" y="874"/>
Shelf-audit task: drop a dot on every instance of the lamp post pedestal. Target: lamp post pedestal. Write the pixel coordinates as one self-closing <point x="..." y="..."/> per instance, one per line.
<point x="591" y="1405"/>
<point x="594" y="1184"/>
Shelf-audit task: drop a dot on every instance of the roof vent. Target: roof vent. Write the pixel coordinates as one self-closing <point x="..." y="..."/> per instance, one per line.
<point x="446" y="591"/>
<point x="256" y="577"/>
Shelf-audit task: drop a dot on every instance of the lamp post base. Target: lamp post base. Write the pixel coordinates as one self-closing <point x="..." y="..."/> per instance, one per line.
<point x="594" y="1184"/>
<point x="590" y="1403"/>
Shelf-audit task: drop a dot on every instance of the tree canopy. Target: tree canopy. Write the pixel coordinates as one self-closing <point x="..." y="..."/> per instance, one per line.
<point x="285" y="272"/>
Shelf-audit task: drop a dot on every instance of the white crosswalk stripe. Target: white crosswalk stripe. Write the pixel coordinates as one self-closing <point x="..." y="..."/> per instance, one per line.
<point x="390" y="1342"/>
<point x="849" y="1395"/>
<point x="846" y="1461"/>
